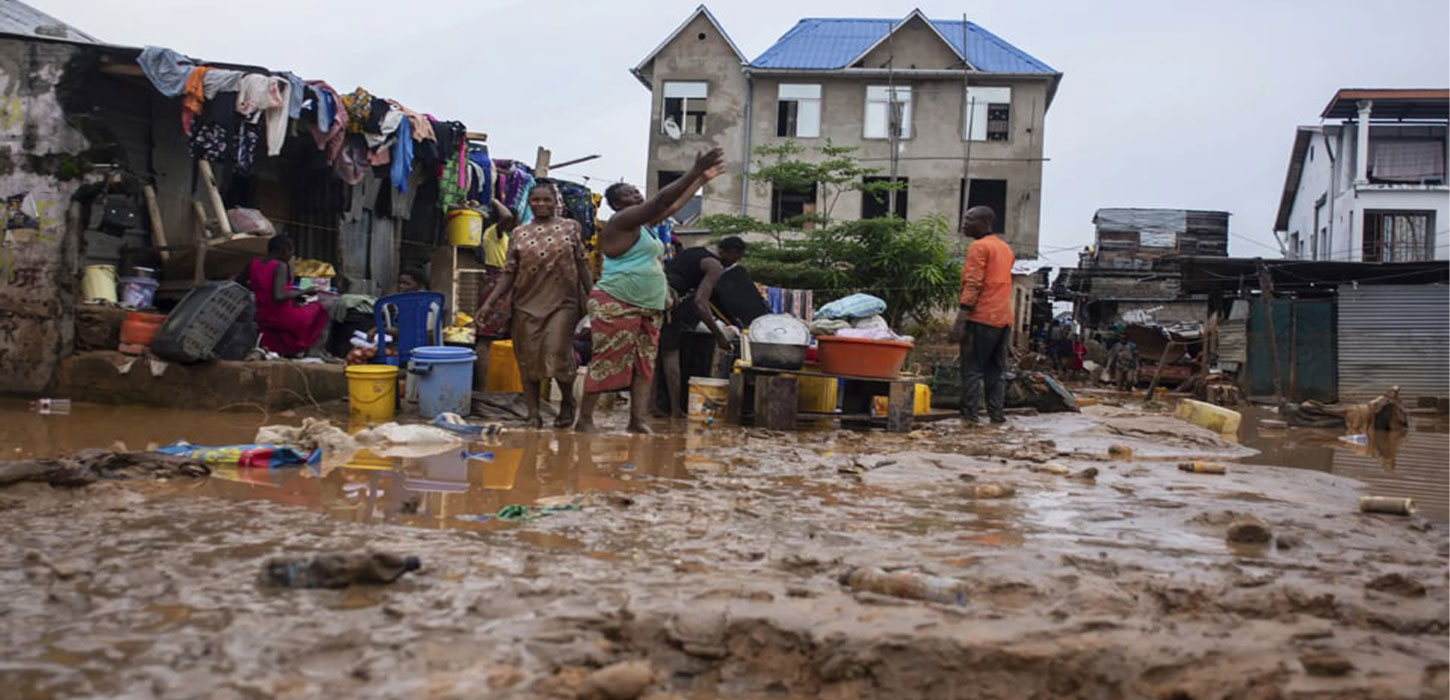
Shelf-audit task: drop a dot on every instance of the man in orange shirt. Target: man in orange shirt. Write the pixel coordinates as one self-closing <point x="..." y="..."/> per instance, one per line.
<point x="984" y="321"/>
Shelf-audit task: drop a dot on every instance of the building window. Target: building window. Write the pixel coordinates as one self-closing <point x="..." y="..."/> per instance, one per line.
<point x="788" y="204"/>
<point x="887" y="107"/>
<point x="798" y="111"/>
<point x="989" y="193"/>
<point x="684" y="106"/>
<point x="988" y="114"/>
<point x="877" y="203"/>
<point x="1407" y="160"/>
<point x="665" y="177"/>
<point x="1398" y="236"/>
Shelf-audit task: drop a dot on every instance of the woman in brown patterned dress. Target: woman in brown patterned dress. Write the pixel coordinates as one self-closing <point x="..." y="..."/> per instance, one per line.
<point x="549" y="279"/>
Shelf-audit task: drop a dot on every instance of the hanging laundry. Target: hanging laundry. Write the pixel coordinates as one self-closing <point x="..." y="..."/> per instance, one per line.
<point x="193" y="97"/>
<point x="221" y="80"/>
<point x="351" y="164"/>
<point x="357" y="104"/>
<point x="402" y="156"/>
<point x="382" y="123"/>
<point x="294" y="102"/>
<point x="578" y="204"/>
<point x="422" y="129"/>
<point x="167" y="69"/>
<point x="482" y="190"/>
<point x="266" y="95"/>
<point x="329" y="133"/>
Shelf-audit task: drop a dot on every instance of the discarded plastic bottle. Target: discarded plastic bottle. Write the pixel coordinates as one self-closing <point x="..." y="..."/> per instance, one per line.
<point x="336" y="570"/>
<point x="1201" y="467"/>
<point x="1387" y="504"/>
<point x="906" y="584"/>
<point x="46" y="407"/>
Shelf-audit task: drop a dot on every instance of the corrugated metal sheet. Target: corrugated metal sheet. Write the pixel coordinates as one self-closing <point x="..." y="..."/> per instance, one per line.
<point x="1394" y="335"/>
<point x="20" y="18"/>
<point x="1233" y="341"/>
<point x="819" y="43"/>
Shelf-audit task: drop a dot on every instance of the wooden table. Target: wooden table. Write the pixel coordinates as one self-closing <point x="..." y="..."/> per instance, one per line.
<point x="769" y="396"/>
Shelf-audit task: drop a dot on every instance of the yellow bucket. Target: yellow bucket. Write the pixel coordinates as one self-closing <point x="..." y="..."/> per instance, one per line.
<point x="99" y="283"/>
<point x="372" y="392"/>
<point x="503" y="368"/>
<point x="920" y="402"/>
<point x="708" y="397"/>
<point x="465" y="228"/>
<point x="815" y="394"/>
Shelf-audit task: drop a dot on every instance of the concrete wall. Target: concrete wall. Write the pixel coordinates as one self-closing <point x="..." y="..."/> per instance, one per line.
<point x="1348" y="202"/>
<point x="913" y="45"/>
<point x="931" y="159"/>
<point x="38" y="257"/>
<point x="710" y="60"/>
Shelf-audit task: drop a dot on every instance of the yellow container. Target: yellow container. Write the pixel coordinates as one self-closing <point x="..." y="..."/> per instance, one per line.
<point x="708" y="397"/>
<point x="465" y="228"/>
<point x="99" y="283"/>
<point x="1206" y="415"/>
<point x="372" y="392"/>
<point x="503" y="368"/>
<point x="920" y="402"/>
<point x="815" y="394"/>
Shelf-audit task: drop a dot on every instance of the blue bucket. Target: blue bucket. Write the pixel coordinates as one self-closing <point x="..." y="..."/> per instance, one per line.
<point x="445" y="379"/>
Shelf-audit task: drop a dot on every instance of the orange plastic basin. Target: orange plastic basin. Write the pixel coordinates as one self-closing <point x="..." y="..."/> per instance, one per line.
<point x="859" y="357"/>
<point x="139" y="328"/>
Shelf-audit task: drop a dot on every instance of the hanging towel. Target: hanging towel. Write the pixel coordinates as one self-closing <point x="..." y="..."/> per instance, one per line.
<point x="402" y="156"/>
<point x="221" y="80"/>
<point x="294" y="101"/>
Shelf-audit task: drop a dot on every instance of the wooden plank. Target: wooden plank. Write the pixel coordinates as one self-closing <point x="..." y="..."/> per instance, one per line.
<point x="735" y="406"/>
<point x="775" y="402"/>
<point x="899" y="407"/>
<point x="541" y="162"/>
<point x="214" y="195"/>
<point x="153" y="212"/>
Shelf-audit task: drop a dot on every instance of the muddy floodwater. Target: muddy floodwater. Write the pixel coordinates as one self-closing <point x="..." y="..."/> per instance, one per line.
<point x="716" y="555"/>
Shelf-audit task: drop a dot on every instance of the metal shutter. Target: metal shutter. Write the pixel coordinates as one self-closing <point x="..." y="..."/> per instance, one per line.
<point x="1394" y="335"/>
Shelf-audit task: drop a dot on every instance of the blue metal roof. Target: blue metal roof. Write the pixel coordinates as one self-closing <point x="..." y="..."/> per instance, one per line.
<point x="831" y="43"/>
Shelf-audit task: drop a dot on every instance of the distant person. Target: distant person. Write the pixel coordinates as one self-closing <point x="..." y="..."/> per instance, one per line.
<point x="692" y="276"/>
<point x="288" y="324"/>
<point x="412" y="279"/>
<point x="984" y="320"/>
<point x="549" y="280"/>
<point x="629" y="301"/>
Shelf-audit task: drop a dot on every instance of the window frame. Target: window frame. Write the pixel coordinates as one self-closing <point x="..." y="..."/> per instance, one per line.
<point x="892" y="95"/>
<point x="803" y="105"/>
<point x="903" y="198"/>
<point x="976" y="115"/>
<point x="1425" y="251"/>
<point x="686" y="102"/>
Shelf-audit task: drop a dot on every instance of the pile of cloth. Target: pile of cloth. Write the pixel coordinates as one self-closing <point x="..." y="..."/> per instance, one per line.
<point x="855" y="316"/>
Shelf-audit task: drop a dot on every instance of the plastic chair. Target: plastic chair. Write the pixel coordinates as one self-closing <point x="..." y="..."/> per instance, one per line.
<point x="410" y="330"/>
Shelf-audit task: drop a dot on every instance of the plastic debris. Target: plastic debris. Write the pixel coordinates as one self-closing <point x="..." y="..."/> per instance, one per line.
<point x="254" y="456"/>
<point x="1202" y="467"/>
<point x="906" y="584"/>
<point x="47" y="407"/>
<point x="516" y="513"/>
<point x="336" y="570"/>
<point x="1387" y="504"/>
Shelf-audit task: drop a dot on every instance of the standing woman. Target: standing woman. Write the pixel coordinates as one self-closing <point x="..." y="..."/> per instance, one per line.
<point x="626" y="307"/>
<point x="549" y="280"/>
<point x="287" y="324"/>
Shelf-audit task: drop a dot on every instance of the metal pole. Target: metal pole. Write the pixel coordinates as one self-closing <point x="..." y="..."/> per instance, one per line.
<point x="969" y="103"/>
<point x="893" y="118"/>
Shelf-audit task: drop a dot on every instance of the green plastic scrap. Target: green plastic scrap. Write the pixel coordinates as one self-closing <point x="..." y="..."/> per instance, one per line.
<point x="518" y="512"/>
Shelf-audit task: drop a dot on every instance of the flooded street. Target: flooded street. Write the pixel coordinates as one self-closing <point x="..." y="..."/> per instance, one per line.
<point x="716" y="555"/>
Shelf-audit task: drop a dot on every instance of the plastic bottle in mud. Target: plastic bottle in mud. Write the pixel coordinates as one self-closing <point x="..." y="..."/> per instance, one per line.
<point x="46" y="407"/>
<point x="907" y="584"/>
<point x="336" y="570"/>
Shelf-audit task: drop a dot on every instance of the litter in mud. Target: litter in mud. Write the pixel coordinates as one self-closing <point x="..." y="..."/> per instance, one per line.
<point x="336" y="570"/>
<point x="1249" y="529"/>
<point x="88" y="466"/>
<point x="1387" y="504"/>
<point x="906" y="584"/>
<point x="1202" y="467"/>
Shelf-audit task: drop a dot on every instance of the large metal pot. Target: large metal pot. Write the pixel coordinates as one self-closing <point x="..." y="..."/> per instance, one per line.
<point x="777" y="355"/>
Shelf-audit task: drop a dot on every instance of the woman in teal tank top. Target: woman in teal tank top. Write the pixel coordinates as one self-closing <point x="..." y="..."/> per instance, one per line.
<point x="628" y="303"/>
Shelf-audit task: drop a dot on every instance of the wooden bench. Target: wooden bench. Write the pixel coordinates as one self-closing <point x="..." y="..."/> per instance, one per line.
<point x="769" y="397"/>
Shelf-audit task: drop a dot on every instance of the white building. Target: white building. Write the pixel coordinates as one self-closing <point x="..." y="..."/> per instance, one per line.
<point x="1368" y="183"/>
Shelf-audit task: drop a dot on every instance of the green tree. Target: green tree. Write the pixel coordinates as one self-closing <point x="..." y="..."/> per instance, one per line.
<point x="906" y="264"/>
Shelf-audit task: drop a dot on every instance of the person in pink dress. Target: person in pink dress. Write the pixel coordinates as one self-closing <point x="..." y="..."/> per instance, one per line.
<point x="289" y="325"/>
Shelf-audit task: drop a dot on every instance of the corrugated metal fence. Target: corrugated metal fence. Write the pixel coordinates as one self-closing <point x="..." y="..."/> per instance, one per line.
<point x="1394" y="335"/>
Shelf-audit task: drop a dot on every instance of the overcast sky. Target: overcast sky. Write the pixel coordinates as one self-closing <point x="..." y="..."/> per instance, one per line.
<point x="1163" y="104"/>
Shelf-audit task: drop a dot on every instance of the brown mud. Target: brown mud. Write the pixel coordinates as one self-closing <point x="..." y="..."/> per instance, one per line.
<point x="714" y="554"/>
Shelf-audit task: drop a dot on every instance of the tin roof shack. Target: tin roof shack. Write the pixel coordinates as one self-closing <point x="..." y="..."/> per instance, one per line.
<point x="1343" y="331"/>
<point x="95" y="168"/>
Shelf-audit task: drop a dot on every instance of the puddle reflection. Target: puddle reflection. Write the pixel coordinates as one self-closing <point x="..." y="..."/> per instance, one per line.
<point x="464" y="488"/>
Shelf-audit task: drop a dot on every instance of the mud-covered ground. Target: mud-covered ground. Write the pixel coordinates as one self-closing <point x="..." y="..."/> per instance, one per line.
<point x="715" y="555"/>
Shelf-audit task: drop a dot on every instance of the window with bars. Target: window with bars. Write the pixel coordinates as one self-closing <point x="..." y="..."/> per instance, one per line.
<point x="988" y="114"/>
<point x="798" y="111"/>
<point x="1398" y="236"/>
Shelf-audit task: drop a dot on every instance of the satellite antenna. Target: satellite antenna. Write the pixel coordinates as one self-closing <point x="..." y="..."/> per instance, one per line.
<point x="672" y="129"/>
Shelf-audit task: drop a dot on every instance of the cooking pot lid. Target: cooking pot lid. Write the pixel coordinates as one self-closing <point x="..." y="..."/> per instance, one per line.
<point x="780" y="328"/>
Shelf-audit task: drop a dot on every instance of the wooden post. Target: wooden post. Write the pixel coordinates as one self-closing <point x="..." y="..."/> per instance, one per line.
<point x="1158" y="373"/>
<point x="208" y="181"/>
<point x="1266" y="283"/>
<point x="735" y="406"/>
<point x="153" y="212"/>
<point x="775" y="401"/>
<point x="541" y="162"/>
<point x="900" y="406"/>
<point x="198" y="274"/>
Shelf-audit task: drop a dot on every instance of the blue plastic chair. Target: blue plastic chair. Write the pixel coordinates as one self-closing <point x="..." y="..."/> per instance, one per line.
<point x="410" y="329"/>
